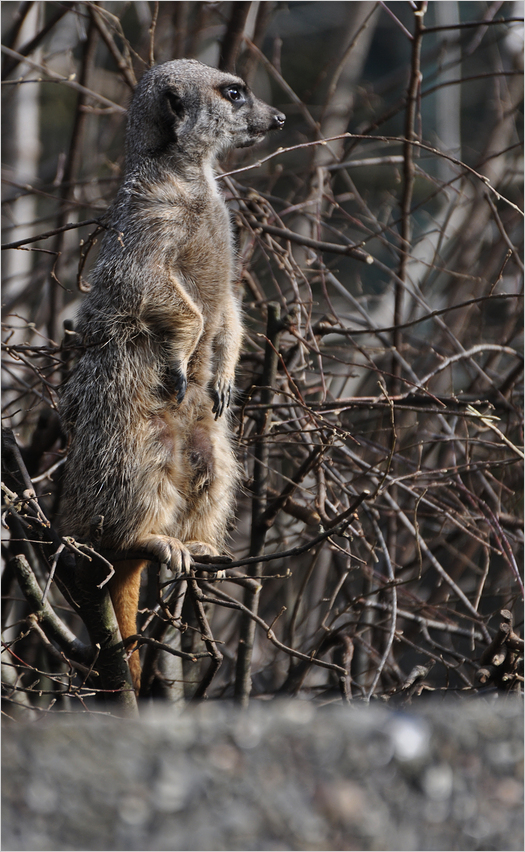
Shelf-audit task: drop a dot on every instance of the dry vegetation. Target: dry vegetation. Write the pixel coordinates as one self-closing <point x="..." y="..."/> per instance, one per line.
<point x="377" y="543"/>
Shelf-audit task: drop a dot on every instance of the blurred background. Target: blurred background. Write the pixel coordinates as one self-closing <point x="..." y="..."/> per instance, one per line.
<point x="384" y="266"/>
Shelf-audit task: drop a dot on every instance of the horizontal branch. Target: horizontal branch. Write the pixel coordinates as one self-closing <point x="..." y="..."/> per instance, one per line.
<point x="334" y="248"/>
<point x="48" y="234"/>
<point x="468" y="353"/>
<point x="340" y="523"/>
<point x="461" y="80"/>
<point x="472" y="24"/>
<point x="429" y="623"/>
<point x="61" y="79"/>
<point x="368" y="137"/>
<point x="483" y="178"/>
<point x="222" y="599"/>
<point x="138" y="639"/>
<point x="332" y="329"/>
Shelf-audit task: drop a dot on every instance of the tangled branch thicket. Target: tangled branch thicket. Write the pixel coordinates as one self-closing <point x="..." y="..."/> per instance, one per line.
<point x="376" y="549"/>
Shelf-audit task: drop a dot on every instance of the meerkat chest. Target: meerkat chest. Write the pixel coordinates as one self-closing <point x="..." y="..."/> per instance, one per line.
<point x="207" y="258"/>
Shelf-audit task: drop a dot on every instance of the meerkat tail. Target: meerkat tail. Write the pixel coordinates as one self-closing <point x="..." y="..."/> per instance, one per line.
<point x="124" y="588"/>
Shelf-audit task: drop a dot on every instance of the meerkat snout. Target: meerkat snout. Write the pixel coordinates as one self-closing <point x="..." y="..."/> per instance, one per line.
<point x="261" y="119"/>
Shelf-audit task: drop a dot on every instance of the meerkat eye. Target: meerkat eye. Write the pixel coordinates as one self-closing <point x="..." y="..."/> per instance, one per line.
<point x="234" y="94"/>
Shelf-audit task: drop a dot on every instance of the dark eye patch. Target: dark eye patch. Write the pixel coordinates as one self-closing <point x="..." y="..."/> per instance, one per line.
<point x="235" y="94"/>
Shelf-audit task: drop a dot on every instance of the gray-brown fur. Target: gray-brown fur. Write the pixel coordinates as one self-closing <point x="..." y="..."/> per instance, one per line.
<point x="149" y="448"/>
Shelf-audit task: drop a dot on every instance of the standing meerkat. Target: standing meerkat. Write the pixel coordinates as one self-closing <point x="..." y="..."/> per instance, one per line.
<point x="149" y="445"/>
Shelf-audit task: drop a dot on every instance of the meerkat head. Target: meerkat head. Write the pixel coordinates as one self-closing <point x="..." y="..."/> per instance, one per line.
<point x="195" y="113"/>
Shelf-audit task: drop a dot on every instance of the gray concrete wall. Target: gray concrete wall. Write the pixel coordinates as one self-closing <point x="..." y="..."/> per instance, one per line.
<point x="282" y="776"/>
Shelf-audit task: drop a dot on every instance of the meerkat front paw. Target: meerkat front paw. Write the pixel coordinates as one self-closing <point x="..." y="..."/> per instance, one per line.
<point x="221" y="394"/>
<point x="171" y="552"/>
<point x="201" y="548"/>
<point x="174" y="383"/>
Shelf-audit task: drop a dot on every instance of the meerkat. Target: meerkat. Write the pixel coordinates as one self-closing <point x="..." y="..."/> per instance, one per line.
<point x="145" y="407"/>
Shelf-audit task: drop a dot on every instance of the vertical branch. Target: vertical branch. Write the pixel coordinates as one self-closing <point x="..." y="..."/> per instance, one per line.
<point x="180" y="25"/>
<point x="448" y="98"/>
<point x="260" y="492"/>
<point x="211" y="645"/>
<point x="249" y="59"/>
<point x="162" y="673"/>
<point x="10" y="63"/>
<point x="125" y="68"/>
<point x="408" y="187"/>
<point x="262" y="449"/>
<point x="152" y="31"/>
<point x="406" y="236"/>
<point x="22" y="149"/>
<point x="231" y="43"/>
<point x="392" y="632"/>
<point x="18" y="22"/>
<point x="99" y="617"/>
<point x="67" y="188"/>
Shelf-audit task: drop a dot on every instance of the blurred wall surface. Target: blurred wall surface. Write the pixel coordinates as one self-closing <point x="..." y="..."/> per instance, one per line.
<point x="283" y="776"/>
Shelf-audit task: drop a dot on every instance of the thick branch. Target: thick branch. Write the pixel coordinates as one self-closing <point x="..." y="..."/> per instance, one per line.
<point x="260" y="497"/>
<point x="53" y="626"/>
<point x="231" y="43"/>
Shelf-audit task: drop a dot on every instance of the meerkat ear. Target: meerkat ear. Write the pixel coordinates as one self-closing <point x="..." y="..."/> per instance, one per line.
<point x="175" y="104"/>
